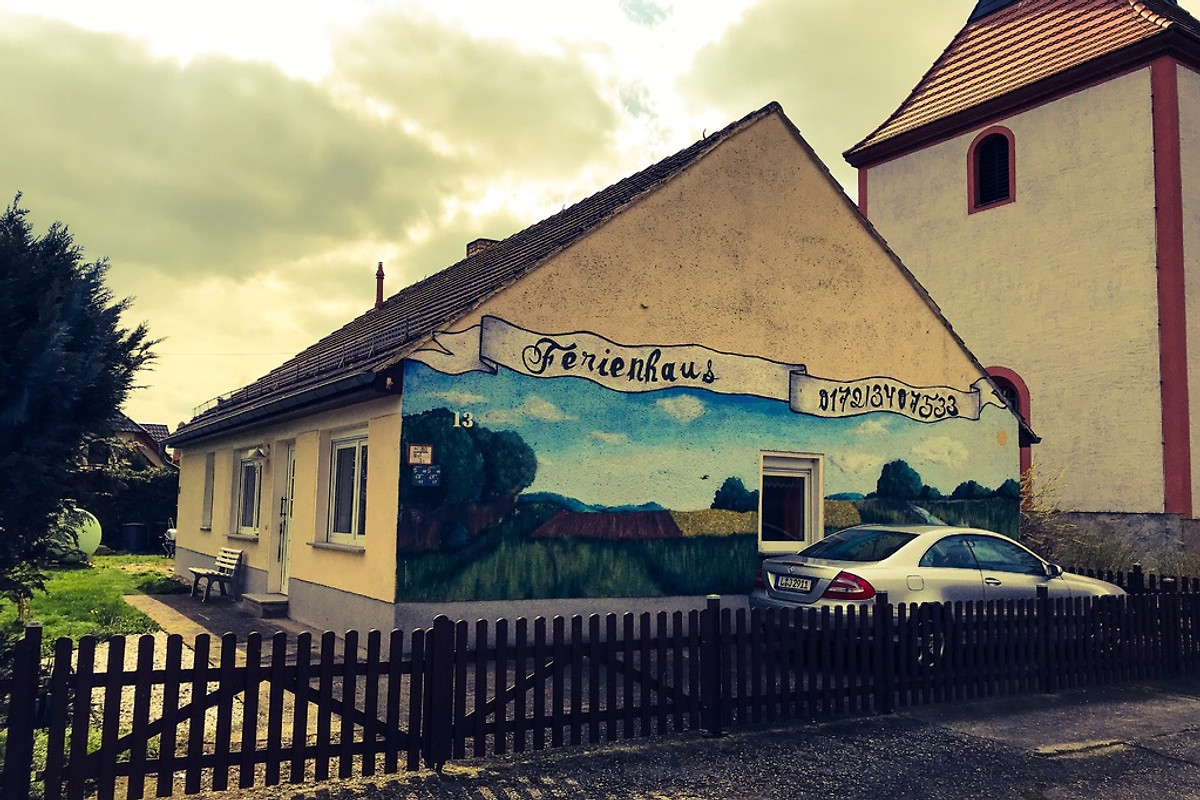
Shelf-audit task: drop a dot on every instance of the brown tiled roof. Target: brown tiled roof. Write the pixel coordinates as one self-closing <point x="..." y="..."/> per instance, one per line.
<point x="157" y="430"/>
<point x="346" y="360"/>
<point x="153" y="430"/>
<point x="1024" y="52"/>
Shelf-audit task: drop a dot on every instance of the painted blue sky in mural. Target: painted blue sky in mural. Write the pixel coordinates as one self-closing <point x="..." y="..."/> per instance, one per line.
<point x="676" y="446"/>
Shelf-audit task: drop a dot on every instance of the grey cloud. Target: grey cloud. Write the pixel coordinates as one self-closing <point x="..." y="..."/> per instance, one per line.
<point x="218" y="163"/>
<point x="838" y="67"/>
<point x="514" y="111"/>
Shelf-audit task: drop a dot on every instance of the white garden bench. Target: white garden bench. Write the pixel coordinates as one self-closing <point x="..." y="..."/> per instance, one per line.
<point x="223" y="572"/>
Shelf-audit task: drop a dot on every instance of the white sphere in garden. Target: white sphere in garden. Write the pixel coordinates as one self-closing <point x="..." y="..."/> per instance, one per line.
<point x="87" y="532"/>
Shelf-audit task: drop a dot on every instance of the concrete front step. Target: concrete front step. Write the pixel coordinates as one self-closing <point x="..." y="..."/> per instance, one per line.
<point x="266" y="605"/>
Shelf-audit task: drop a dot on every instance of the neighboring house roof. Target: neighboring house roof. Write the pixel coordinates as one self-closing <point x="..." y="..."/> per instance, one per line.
<point x="1013" y="54"/>
<point x="126" y="425"/>
<point x="156" y="429"/>
<point x="149" y="435"/>
<point x="346" y="362"/>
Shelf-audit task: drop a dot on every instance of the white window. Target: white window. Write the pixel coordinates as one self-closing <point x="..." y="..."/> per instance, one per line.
<point x="791" y="506"/>
<point x="210" y="475"/>
<point x="249" y="495"/>
<point x="348" y="490"/>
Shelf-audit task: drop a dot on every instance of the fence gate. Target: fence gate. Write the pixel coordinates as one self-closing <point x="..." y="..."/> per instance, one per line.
<point x="297" y="712"/>
<point x="512" y="688"/>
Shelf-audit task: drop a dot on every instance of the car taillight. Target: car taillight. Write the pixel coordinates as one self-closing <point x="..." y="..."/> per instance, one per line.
<point x="847" y="586"/>
<point x="759" y="581"/>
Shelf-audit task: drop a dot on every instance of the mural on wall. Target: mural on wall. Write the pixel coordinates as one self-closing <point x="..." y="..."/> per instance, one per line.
<point x="642" y="478"/>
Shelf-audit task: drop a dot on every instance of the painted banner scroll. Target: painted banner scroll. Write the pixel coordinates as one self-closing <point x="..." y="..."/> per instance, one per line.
<point x="646" y="368"/>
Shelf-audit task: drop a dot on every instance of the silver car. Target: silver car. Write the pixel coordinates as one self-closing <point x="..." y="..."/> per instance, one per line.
<point x="913" y="564"/>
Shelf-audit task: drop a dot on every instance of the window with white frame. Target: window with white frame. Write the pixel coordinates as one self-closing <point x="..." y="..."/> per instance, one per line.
<point x="791" y="503"/>
<point x="210" y="475"/>
<point x="249" y="495"/>
<point x="348" y="490"/>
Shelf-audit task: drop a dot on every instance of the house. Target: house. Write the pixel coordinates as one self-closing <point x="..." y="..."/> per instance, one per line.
<point x="709" y="360"/>
<point x="147" y="438"/>
<point x="1042" y="181"/>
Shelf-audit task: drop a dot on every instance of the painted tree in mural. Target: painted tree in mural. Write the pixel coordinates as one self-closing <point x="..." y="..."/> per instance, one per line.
<point x="509" y="464"/>
<point x="898" y="481"/>
<point x="734" y="496"/>
<point x="1009" y="490"/>
<point x="476" y="464"/>
<point x="970" y="490"/>
<point x="66" y="365"/>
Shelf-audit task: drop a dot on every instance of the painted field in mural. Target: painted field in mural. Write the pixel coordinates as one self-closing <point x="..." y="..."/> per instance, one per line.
<point x="519" y="485"/>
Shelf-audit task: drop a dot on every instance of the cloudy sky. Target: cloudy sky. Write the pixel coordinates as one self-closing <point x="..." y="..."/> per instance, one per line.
<point x="245" y="165"/>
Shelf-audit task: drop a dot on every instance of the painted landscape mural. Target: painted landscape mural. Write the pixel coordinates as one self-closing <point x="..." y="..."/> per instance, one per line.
<point x="634" y="471"/>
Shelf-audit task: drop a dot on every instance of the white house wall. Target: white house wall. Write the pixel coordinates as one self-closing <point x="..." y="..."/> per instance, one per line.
<point x="754" y="267"/>
<point x="1070" y="302"/>
<point x="325" y="581"/>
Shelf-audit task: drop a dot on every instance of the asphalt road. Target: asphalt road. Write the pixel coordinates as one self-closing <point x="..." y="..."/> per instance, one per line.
<point x="1114" y="743"/>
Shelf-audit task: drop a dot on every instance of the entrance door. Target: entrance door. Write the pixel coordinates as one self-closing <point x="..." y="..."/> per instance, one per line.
<point x="283" y="554"/>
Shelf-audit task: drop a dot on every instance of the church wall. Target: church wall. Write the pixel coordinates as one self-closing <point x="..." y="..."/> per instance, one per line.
<point x="1059" y="285"/>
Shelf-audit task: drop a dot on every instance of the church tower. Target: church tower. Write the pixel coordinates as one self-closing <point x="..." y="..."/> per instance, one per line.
<point x="1042" y="181"/>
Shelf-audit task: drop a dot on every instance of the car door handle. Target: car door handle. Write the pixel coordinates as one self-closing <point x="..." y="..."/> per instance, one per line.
<point x="992" y="582"/>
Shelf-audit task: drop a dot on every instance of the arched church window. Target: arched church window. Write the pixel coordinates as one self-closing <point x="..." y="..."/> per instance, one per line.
<point x="991" y="173"/>
<point x="1016" y="393"/>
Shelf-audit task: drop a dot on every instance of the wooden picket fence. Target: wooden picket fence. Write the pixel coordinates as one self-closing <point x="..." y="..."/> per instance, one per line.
<point x="164" y="720"/>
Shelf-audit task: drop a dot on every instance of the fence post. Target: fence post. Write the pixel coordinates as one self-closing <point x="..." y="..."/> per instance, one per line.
<point x="22" y="709"/>
<point x="1045" y="641"/>
<point x="885" y="655"/>
<point x="1168" y="612"/>
<point x="710" y="666"/>
<point x="1137" y="580"/>
<point x="439" y="703"/>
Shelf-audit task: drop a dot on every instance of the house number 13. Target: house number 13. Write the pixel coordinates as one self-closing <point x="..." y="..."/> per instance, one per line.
<point x="464" y="419"/>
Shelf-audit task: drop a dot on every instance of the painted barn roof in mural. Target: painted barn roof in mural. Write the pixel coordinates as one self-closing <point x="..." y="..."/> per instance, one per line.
<point x="1012" y="54"/>
<point x="347" y="361"/>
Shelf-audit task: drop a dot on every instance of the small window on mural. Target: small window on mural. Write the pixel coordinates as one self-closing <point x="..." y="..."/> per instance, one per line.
<point x="791" y="511"/>
<point x="783" y="508"/>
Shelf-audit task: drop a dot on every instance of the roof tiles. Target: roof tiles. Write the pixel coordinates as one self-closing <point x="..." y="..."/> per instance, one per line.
<point x="1018" y="46"/>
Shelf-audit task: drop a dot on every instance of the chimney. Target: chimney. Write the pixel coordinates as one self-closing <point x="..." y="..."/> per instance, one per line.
<point x="479" y="245"/>
<point x="379" y="285"/>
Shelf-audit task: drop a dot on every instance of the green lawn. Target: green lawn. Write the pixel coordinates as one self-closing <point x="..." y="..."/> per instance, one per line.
<point x="81" y="600"/>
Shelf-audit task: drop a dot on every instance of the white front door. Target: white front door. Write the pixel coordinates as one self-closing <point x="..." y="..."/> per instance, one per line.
<point x="283" y="554"/>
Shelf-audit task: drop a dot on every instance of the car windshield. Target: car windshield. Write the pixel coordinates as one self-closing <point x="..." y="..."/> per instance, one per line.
<point x="859" y="545"/>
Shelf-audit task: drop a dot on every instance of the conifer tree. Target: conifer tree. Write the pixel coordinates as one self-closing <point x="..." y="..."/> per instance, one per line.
<point x="66" y="366"/>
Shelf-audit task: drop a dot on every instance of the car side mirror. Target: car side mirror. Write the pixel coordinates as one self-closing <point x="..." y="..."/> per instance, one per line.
<point x="1053" y="570"/>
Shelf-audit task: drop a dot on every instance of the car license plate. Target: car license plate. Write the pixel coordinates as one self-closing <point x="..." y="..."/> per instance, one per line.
<point x="794" y="584"/>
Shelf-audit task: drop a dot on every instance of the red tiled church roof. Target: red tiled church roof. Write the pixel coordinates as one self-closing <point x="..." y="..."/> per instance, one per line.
<point x="1015" y="53"/>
